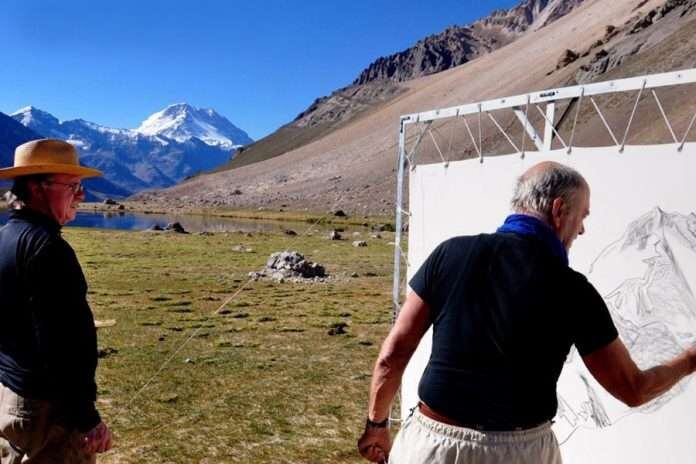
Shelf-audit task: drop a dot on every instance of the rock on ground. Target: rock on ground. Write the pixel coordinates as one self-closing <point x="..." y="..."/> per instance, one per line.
<point x="290" y="265"/>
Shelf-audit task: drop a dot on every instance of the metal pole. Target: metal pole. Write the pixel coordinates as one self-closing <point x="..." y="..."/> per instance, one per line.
<point x="548" y="127"/>
<point x="401" y="163"/>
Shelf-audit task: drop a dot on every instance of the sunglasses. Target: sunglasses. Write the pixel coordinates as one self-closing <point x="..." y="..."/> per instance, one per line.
<point x="75" y="187"/>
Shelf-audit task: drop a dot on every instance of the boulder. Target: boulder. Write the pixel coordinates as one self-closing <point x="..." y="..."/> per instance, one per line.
<point x="339" y="328"/>
<point x="285" y="265"/>
<point x="382" y="228"/>
<point x="176" y="227"/>
<point x="566" y="58"/>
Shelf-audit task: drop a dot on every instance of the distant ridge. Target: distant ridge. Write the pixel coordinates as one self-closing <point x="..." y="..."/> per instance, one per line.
<point x="170" y="145"/>
<point x="458" y="44"/>
<point x="387" y="77"/>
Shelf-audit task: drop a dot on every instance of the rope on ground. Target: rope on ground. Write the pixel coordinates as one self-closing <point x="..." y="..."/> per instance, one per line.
<point x="169" y="358"/>
<point x="181" y="347"/>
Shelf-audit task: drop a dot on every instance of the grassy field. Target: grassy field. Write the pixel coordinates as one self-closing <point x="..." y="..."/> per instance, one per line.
<point x="262" y="381"/>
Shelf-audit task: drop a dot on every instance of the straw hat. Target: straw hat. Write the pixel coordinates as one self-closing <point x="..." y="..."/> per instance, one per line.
<point x="46" y="156"/>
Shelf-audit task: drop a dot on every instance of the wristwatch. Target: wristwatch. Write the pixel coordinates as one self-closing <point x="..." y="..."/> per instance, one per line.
<point x="370" y="424"/>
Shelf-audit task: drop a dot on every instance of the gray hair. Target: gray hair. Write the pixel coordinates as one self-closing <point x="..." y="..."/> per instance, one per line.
<point x="19" y="194"/>
<point x="536" y="189"/>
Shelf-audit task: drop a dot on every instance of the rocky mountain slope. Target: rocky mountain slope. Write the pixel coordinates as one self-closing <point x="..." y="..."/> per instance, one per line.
<point x="458" y="44"/>
<point x="170" y="145"/>
<point x="386" y="78"/>
<point x="351" y="166"/>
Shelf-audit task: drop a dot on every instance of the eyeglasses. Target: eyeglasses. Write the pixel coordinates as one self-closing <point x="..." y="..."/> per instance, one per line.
<point x="75" y="187"/>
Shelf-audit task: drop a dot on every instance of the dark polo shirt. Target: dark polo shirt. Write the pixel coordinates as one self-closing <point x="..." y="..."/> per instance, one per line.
<point x="48" y="343"/>
<point x="505" y="314"/>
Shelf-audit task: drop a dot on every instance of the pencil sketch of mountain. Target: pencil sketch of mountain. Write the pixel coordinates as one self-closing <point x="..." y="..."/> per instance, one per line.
<point x="651" y="272"/>
<point x="596" y="408"/>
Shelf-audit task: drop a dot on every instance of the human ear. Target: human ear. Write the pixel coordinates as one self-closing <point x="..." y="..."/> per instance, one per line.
<point x="557" y="212"/>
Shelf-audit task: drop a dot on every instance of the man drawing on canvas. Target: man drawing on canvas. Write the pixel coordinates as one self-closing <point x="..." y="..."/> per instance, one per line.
<point x="505" y="310"/>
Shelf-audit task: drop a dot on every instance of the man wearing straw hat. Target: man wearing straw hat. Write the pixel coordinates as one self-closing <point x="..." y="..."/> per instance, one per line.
<point x="48" y="343"/>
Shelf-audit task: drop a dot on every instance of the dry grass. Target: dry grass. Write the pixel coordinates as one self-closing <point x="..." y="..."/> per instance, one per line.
<point x="263" y="382"/>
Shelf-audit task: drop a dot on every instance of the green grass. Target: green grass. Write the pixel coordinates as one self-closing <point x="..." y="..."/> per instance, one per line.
<point x="261" y="381"/>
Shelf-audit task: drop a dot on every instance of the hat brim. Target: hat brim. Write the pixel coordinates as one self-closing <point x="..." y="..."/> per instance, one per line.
<point x="11" y="173"/>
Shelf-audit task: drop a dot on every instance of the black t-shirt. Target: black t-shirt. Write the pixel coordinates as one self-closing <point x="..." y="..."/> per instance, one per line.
<point x="505" y="314"/>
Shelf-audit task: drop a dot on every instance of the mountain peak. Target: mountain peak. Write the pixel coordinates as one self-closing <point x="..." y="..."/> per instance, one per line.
<point x="182" y="122"/>
<point x="39" y="121"/>
<point x="31" y="115"/>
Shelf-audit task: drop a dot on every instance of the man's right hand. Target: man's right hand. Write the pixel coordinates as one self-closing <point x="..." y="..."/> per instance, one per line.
<point x="375" y="444"/>
<point x="97" y="440"/>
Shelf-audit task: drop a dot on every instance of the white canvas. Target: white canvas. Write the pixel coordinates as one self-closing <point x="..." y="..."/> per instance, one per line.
<point x="639" y="251"/>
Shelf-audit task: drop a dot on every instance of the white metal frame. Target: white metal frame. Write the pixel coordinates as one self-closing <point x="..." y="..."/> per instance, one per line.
<point x="520" y="105"/>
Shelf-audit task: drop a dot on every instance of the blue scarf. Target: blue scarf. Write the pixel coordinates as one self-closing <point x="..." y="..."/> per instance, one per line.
<point x="529" y="225"/>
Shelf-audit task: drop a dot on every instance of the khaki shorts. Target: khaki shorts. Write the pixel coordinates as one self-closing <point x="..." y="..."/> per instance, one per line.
<point x="423" y="440"/>
<point x="28" y="434"/>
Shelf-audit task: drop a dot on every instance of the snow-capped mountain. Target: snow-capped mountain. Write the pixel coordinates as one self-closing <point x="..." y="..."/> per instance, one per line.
<point x="133" y="160"/>
<point x="182" y="122"/>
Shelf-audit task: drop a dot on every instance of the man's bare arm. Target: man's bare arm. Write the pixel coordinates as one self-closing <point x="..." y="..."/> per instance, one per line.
<point x="397" y="349"/>
<point x="616" y="371"/>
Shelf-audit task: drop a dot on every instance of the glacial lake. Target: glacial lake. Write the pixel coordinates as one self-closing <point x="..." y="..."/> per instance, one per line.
<point x="191" y="223"/>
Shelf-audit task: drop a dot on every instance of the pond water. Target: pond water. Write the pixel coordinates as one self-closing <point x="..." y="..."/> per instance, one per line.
<point x="192" y="223"/>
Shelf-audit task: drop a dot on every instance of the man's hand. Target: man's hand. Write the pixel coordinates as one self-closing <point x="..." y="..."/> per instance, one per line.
<point x="375" y="444"/>
<point x="97" y="440"/>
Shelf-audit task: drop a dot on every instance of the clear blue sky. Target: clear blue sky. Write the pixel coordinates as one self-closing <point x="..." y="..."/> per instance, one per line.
<point x="259" y="63"/>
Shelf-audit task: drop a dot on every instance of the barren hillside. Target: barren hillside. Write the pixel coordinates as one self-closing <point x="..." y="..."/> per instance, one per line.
<point x="352" y="167"/>
<point x="388" y="76"/>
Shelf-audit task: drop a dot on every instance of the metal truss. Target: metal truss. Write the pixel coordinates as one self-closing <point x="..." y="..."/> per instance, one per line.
<point x="544" y="102"/>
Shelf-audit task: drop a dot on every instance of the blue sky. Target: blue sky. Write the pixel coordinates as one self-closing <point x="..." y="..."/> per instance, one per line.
<point x="258" y="63"/>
